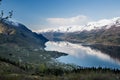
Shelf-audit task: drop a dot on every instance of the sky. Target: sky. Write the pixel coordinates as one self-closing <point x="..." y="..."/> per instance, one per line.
<point x="43" y="14"/>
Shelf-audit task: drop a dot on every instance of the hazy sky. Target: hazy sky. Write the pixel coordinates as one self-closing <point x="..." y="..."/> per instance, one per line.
<point x="41" y="14"/>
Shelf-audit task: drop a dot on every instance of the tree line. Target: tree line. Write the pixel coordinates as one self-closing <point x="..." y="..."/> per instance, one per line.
<point x="42" y="69"/>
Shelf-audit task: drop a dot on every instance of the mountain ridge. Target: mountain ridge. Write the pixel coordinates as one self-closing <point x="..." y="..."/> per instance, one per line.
<point x="95" y="33"/>
<point x="11" y="32"/>
<point x="89" y="26"/>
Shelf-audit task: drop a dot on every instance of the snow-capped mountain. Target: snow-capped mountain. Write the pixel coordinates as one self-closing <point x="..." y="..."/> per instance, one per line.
<point x="101" y="24"/>
<point x="102" y="32"/>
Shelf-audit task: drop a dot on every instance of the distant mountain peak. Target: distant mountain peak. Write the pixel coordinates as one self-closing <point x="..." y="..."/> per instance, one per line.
<point x="101" y="24"/>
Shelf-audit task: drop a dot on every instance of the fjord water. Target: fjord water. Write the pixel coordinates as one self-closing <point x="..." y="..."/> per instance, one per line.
<point x="82" y="55"/>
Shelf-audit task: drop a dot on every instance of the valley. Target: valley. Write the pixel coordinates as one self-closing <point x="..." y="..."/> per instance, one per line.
<point x="24" y="55"/>
<point x="59" y="40"/>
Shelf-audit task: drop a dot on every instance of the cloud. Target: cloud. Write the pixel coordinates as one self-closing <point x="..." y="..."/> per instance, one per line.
<point x="77" y="20"/>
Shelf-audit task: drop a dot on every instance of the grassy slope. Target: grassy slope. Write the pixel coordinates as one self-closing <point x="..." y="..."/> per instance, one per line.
<point x="22" y="54"/>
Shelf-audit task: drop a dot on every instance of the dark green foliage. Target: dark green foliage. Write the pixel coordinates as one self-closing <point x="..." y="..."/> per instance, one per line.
<point x="23" y="72"/>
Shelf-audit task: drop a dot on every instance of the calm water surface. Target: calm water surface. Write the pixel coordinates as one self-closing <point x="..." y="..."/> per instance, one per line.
<point x="81" y="55"/>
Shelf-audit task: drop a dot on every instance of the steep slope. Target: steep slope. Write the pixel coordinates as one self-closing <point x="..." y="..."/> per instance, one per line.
<point x="16" y="33"/>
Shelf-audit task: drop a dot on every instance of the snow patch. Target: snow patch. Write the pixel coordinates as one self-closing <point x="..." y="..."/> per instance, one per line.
<point x="12" y="22"/>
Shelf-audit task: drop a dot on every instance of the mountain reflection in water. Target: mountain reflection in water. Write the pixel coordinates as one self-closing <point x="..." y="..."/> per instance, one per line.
<point x="82" y="55"/>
